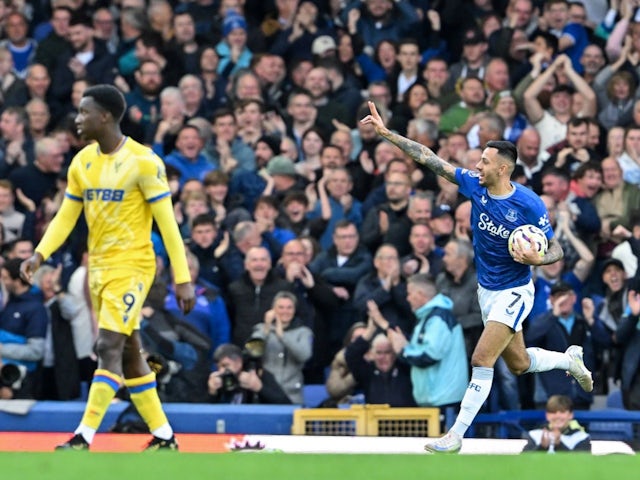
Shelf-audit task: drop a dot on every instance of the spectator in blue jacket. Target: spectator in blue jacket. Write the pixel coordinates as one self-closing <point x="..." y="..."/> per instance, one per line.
<point x="188" y="157"/>
<point x="436" y="350"/>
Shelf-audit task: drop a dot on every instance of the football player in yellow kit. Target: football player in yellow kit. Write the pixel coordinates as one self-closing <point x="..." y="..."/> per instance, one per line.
<point x="122" y="187"/>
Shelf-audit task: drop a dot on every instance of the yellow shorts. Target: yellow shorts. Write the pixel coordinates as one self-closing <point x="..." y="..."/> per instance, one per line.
<point x="117" y="297"/>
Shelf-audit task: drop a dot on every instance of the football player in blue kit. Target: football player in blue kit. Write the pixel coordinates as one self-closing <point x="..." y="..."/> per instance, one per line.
<point x="505" y="288"/>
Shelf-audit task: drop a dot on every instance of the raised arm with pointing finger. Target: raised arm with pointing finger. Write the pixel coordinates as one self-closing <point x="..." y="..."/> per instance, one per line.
<point x="417" y="151"/>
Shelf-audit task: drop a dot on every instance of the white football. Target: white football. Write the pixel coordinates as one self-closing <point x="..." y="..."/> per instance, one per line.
<point x="528" y="233"/>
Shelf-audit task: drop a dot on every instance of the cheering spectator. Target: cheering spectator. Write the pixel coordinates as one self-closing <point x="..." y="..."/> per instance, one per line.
<point x="287" y="344"/>
<point x="561" y="432"/>
<point x="435" y="351"/>
<point x="384" y="379"/>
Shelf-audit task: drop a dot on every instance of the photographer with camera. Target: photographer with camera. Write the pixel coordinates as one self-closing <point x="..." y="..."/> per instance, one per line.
<point x="241" y="379"/>
<point x="23" y="328"/>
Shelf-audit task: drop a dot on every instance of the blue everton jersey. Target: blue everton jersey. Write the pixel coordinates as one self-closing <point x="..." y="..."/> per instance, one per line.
<point x="492" y="220"/>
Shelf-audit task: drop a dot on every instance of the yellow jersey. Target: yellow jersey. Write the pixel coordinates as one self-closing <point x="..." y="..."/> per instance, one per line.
<point x="116" y="191"/>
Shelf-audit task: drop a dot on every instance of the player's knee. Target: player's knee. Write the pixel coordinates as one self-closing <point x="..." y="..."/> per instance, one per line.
<point x="480" y="360"/>
<point x="108" y="351"/>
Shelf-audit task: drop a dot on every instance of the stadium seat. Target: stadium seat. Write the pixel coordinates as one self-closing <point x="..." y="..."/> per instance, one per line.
<point x="614" y="399"/>
<point x="612" y="430"/>
<point x="314" y="395"/>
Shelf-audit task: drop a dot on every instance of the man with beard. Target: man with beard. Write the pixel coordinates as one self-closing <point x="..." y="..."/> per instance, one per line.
<point x="592" y="61"/>
<point x="143" y="100"/>
<point x="318" y="84"/>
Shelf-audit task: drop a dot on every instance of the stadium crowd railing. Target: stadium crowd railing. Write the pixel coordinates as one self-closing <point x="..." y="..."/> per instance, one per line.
<point x="610" y="424"/>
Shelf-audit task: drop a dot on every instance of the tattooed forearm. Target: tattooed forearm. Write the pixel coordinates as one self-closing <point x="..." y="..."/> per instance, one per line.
<point x="423" y="155"/>
<point x="554" y="252"/>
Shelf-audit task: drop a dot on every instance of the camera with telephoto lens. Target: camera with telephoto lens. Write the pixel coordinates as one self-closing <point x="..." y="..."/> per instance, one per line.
<point x="252" y="354"/>
<point x="12" y="375"/>
<point x="230" y="382"/>
<point x="251" y="360"/>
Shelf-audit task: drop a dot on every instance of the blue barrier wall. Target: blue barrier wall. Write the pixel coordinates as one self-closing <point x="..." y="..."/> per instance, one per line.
<point x="184" y="417"/>
<point x="277" y="419"/>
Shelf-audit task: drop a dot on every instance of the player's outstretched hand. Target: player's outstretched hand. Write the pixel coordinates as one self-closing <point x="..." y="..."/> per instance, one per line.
<point x="374" y="119"/>
<point x="29" y="267"/>
<point x="186" y="296"/>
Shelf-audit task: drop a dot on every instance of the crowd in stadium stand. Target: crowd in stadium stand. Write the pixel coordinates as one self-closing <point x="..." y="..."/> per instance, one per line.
<point x="307" y="233"/>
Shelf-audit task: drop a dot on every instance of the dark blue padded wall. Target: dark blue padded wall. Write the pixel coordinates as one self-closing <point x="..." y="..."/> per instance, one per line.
<point x="184" y="417"/>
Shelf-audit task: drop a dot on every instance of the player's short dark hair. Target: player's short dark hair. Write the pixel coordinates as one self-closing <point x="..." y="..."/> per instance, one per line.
<point x="506" y="149"/>
<point x="108" y="98"/>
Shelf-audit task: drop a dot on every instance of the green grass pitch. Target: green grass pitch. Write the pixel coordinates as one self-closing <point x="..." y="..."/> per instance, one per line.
<point x="281" y="466"/>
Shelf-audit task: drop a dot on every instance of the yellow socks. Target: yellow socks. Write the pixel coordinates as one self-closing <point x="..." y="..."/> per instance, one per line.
<point x="103" y="388"/>
<point x="144" y="396"/>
